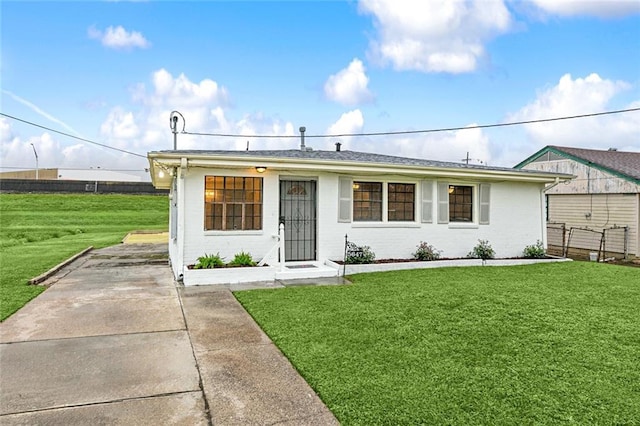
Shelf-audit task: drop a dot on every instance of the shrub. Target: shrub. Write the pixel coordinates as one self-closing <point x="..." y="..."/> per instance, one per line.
<point x="482" y="250"/>
<point x="209" y="261"/>
<point x="242" y="259"/>
<point x="359" y="254"/>
<point x="426" y="252"/>
<point x="534" y="251"/>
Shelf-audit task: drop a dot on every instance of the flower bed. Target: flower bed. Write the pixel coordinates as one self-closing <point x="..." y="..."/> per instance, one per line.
<point x="227" y="275"/>
<point x="399" y="264"/>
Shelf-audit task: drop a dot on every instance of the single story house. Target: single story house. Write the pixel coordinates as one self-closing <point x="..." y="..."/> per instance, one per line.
<point x="604" y="196"/>
<point x="230" y="201"/>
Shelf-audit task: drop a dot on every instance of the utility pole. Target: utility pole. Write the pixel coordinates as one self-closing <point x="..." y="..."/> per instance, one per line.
<point x="466" y="160"/>
<point x="174" y="129"/>
<point x="36" y="154"/>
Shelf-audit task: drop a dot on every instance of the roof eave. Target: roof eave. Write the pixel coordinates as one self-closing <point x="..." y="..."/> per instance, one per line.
<point x="167" y="161"/>
<point x="579" y="160"/>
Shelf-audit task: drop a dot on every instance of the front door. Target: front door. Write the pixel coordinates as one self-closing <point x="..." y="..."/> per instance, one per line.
<point x="298" y="213"/>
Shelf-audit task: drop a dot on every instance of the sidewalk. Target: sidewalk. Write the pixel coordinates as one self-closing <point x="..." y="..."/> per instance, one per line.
<point x="114" y="341"/>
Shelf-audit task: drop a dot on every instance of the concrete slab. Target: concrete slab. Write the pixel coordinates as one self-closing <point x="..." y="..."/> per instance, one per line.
<point x="314" y="281"/>
<point x="179" y="409"/>
<point x="216" y="320"/>
<point x="108" y="343"/>
<point x="246" y="379"/>
<point x="89" y="370"/>
<point x="57" y="318"/>
<point x="256" y="386"/>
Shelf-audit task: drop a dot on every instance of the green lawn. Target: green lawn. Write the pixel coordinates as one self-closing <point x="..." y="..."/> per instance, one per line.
<point x="537" y="344"/>
<point x="38" y="231"/>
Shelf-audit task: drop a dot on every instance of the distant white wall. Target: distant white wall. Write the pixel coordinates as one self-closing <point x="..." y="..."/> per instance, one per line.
<point x="516" y="220"/>
<point x="98" y="174"/>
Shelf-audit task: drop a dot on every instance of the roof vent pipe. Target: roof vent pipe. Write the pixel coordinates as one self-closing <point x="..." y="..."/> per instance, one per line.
<point x="302" y="146"/>
<point x="338" y="145"/>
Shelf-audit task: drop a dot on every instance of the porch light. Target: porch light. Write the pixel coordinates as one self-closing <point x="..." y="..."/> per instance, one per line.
<point x="356" y="186"/>
<point x="261" y="169"/>
<point x="451" y="189"/>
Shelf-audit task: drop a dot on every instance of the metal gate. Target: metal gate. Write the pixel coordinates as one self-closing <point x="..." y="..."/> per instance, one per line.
<point x="298" y="213"/>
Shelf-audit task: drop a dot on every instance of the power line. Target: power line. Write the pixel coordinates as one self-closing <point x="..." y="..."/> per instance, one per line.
<point x="72" y="136"/>
<point x="408" y="132"/>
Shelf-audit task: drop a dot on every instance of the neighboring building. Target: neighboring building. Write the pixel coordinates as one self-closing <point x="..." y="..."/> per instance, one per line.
<point x="604" y="196"/>
<point x="230" y="201"/>
<point x="41" y="174"/>
<point x="96" y="174"/>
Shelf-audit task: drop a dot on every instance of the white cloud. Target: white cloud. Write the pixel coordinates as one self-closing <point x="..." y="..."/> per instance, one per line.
<point x="349" y="85"/>
<point x="120" y="125"/>
<point x="118" y="38"/>
<point x="591" y="94"/>
<point x="204" y="107"/>
<point x="437" y="35"/>
<point x="16" y="151"/>
<point x="599" y="8"/>
<point x="444" y="146"/>
<point x="349" y="122"/>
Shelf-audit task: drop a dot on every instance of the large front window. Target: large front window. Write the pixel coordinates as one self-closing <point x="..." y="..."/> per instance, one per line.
<point x="460" y="203"/>
<point x="232" y="203"/>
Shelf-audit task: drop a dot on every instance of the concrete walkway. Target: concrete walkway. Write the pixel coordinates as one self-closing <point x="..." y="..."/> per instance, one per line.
<point x="114" y="341"/>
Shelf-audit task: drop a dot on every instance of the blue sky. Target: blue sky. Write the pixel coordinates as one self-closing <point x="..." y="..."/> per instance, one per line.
<point x="112" y="72"/>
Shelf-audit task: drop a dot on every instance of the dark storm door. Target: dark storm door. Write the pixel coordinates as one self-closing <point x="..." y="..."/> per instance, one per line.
<point x="298" y="213"/>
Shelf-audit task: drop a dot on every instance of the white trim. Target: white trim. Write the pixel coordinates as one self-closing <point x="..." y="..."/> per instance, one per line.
<point x="393" y="224"/>
<point x="234" y="232"/>
<point x="463" y="225"/>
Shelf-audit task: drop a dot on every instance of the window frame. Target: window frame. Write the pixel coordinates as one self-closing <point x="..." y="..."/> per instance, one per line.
<point x="472" y="202"/>
<point x="383" y="202"/>
<point x="357" y="187"/>
<point x="401" y="202"/>
<point x="237" y="197"/>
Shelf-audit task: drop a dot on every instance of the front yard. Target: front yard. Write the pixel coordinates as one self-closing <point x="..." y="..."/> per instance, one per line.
<point x="535" y="344"/>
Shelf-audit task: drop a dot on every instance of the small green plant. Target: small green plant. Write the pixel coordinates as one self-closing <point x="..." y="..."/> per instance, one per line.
<point x="358" y="254"/>
<point x="482" y="250"/>
<point x="426" y="252"/>
<point x="534" y="251"/>
<point x="209" y="261"/>
<point x="242" y="259"/>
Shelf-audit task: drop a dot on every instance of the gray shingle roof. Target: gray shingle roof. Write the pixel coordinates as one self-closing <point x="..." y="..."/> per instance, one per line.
<point x="625" y="163"/>
<point x="342" y="156"/>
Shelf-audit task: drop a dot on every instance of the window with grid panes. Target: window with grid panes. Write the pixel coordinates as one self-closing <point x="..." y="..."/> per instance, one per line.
<point x="232" y="203"/>
<point x="401" y="202"/>
<point x="460" y="203"/>
<point x="367" y="201"/>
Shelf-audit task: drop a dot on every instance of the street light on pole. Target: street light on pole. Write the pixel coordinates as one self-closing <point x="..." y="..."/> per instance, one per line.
<point x="36" y="154"/>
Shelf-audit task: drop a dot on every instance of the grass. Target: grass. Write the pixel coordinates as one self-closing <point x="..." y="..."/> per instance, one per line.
<point x="537" y="344"/>
<point x="41" y="230"/>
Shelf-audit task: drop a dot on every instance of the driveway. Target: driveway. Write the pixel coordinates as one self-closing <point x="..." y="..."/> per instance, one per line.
<point x="115" y="341"/>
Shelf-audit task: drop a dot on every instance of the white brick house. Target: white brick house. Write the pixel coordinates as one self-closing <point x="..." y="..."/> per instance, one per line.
<point x="230" y="201"/>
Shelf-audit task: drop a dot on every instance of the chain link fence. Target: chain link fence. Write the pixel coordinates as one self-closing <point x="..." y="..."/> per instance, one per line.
<point x="586" y="243"/>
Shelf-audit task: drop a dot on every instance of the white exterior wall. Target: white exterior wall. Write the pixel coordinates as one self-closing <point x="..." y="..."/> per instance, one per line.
<point x="516" y="220"/>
